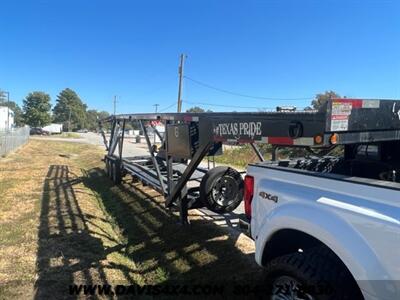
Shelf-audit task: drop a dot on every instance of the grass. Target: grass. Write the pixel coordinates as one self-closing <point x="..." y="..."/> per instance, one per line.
<point x="63" y="222"/>
<point x="238" y="156"/>
<point x="69" y="135"/>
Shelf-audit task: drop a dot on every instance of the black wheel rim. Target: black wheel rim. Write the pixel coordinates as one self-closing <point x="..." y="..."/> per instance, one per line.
<point x="224" y="191"/>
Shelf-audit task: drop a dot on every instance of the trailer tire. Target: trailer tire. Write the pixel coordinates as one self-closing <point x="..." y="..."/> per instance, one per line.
<point x="221" y="189"/>
<point x="108" y="168"/>
<point x="116" y="172"/>
<point x="316" y="273"/>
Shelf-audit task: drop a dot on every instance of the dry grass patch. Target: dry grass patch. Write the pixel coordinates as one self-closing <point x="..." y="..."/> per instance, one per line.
<point x="52" y="230"/>
<point x="63" y="222"/>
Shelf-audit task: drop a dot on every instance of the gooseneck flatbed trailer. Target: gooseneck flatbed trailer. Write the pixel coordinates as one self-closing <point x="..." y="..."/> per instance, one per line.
<point x="174" y="169"/>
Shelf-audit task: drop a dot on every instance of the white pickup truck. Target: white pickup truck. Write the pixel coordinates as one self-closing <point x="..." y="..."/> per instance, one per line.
<point x="329" y="228"/>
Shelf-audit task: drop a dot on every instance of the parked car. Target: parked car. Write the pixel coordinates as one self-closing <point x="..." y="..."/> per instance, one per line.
<point x="83" y="131"/>
<point x="38" y="131"/>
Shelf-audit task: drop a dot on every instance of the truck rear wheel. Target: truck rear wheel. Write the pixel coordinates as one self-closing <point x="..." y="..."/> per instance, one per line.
<point x="221" y="189"/>
<point x="316" y="273"/>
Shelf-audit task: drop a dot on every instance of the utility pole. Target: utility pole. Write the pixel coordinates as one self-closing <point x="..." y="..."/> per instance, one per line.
<point x="154" y="132"/>
<point x="115" y="105"/>
<point x="69" y="120"/>
<point x="8" y="110"/>
<point x="181" y="65"/>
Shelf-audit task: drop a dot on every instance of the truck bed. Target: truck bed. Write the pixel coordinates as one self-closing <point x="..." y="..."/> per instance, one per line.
<point x="335" y="168"/>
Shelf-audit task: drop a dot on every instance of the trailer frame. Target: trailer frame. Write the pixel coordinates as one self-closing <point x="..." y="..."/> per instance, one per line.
<point x="190" y="137"/>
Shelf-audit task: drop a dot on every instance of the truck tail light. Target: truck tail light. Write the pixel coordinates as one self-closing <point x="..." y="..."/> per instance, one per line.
<point x="248" y="194"/>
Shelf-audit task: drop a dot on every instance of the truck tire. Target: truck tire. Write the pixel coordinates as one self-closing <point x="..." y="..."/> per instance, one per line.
<point x="221" y="189"/>
<point x="316" y="273"/>
<point x="116" y="172"/>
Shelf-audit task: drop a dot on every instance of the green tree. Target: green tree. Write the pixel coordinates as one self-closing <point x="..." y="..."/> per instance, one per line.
<point x="320" y="99"/>
<point x="197" y="109"/>
<point x="18" y="115"/>
<point x="92" y="118"/>
<point x="102" y="115"/>
<point x="70" y="110"/>
<point x="36" y="109"/>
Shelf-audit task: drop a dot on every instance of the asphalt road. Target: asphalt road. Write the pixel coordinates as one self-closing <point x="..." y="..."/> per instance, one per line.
<point x="131" y="148"/>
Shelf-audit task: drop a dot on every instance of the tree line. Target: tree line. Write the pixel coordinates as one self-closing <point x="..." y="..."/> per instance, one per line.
<point x="69" y="110"/>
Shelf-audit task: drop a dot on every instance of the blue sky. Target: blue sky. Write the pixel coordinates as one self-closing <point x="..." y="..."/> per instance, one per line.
<point x="274" y="49"/>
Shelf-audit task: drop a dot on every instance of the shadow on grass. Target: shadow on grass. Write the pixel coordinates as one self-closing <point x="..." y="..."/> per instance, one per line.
<point x="67" y="252"/>
<point x="164" y="250"/>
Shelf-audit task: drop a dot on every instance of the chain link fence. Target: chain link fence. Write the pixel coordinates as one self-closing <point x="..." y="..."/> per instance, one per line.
<point x="12" y="139"/>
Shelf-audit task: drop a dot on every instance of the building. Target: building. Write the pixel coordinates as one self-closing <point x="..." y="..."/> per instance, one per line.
<point x="6" y="122"/>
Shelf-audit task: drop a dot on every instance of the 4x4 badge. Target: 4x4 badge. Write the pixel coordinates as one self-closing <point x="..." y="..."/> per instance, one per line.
<point x="267" y="196"/>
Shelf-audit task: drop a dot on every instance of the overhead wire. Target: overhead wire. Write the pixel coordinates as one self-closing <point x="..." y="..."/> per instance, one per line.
<point x="235" y="94"/>
<point x="242" y="94"/>
<point x="168" y="107"/>
<point x="260" y="108"/>
<point x="228" y="106"/>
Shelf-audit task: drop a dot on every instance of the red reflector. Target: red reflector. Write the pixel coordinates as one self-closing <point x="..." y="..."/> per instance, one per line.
<point x="248" y="194"/>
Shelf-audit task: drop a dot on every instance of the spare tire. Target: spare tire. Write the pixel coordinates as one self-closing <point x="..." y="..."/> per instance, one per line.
<point x="221" y="189"/>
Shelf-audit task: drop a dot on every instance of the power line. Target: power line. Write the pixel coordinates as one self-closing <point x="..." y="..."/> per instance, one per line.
<point x="233" y="106"/>
<point x="243" y="95"/>
<point x="168" y="107"/>
<point x="229" y="106"/>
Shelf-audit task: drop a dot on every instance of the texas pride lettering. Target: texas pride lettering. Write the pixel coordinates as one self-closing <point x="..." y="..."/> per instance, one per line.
<point x="238" y="129"/>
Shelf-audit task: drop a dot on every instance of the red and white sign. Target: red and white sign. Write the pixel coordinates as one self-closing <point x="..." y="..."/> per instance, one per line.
<point x="156" y="123"/>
